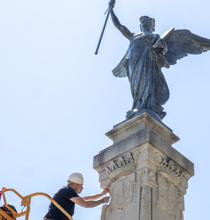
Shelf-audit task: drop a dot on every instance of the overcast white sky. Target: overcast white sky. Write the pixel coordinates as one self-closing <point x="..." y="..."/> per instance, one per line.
<point x="57" y="99"/>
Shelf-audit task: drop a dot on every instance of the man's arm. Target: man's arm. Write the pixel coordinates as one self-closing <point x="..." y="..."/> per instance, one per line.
<point x="124" y="30"/>
<point x="89" y="204"/>
<point x="97" y="196"/>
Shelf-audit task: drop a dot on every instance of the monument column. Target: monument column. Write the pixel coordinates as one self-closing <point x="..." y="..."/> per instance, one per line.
<point x="148" y="178"/>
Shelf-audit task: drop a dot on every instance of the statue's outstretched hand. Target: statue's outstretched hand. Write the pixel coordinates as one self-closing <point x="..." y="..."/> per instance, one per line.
<point x="111" y="4"/>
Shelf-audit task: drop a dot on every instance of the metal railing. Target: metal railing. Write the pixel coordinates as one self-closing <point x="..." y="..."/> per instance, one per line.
<point x="26" y="202"/>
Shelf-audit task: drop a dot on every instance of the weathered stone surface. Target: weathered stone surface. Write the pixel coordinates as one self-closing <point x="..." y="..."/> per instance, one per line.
<point x="147" y="176"/>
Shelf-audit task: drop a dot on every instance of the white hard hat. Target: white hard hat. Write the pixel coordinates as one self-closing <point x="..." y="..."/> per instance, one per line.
<point x="76" y="178"/>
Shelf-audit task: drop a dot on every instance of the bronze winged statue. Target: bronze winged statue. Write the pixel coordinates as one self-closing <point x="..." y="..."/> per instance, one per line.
<point x="147" y="54"/>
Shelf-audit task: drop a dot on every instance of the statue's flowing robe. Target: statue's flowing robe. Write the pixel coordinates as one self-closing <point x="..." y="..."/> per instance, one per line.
<point x="142" y="66"/>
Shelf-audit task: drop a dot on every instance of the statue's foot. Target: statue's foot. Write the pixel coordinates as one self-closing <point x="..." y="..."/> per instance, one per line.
<point x="130" y="114"/>
<point x="163" y="114"/>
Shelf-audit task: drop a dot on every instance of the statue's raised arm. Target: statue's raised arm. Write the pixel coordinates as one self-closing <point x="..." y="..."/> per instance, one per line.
<point x="124" y="30"/>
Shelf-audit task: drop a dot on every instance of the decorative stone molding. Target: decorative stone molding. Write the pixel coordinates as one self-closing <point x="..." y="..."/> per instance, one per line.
<point x="171" y="166"/>
<point x="121" y="162"/>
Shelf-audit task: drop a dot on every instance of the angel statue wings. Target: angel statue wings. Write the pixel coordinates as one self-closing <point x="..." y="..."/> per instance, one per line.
<point x="147" y="54"/>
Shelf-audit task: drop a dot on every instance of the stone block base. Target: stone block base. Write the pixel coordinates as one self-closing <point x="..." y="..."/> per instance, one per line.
<point x="148" y="178"/>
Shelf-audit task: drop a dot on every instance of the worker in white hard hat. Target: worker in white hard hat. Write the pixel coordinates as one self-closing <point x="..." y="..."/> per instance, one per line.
<point x="68" y="196"/>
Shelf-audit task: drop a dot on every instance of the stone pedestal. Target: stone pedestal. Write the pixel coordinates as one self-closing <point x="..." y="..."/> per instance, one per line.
<point x="148" y="178"/>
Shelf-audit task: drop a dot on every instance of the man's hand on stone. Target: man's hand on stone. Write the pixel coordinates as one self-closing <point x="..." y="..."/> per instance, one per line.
<point x="105" y="199"/>
<point x="105" y="191"/>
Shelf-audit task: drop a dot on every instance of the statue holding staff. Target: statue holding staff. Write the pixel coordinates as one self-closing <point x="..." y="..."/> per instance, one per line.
<point x="147" y="54"/>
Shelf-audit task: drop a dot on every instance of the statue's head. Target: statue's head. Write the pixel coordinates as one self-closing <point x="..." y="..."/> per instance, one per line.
<point x="147" y="24"/>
